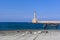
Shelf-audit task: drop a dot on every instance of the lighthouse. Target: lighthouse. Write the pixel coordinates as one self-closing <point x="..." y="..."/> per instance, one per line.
<point x="35" y="18"/>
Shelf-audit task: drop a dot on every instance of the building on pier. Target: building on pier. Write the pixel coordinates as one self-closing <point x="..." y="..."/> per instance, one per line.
<point x="37" y="21"/>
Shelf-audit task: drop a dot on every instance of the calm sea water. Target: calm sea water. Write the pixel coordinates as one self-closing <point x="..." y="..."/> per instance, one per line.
<point x="25" y="26"/>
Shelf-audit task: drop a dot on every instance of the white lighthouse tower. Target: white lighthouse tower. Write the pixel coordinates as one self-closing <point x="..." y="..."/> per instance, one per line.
<point x="35" y="18"/>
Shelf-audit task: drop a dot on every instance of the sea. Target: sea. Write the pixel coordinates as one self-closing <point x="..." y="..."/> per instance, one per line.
<point x="26" y="26"/>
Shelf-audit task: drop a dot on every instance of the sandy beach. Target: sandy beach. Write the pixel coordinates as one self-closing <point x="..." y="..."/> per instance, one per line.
<point x="30" y="35"/>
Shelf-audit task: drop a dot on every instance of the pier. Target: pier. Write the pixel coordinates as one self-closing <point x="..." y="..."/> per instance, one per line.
<point x="46" y="23"/>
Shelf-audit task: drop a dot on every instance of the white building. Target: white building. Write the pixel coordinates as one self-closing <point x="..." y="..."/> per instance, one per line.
<point x="35" y="18"/>
<point x="37" y="21"/>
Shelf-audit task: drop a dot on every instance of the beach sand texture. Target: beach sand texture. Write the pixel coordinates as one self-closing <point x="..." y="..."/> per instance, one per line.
<point x="30" y="35"/>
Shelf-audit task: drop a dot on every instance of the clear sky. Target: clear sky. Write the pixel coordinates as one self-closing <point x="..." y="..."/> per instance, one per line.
<point x="23" y="10"/>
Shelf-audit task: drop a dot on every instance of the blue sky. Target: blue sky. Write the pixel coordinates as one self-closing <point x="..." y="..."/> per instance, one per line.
<point x="23" y="10"/>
